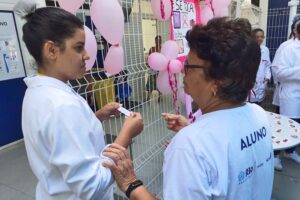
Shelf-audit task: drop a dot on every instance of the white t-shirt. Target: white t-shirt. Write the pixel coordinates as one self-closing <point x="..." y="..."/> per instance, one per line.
<point x="225" y="155"/>
<point x="63" y="140"/>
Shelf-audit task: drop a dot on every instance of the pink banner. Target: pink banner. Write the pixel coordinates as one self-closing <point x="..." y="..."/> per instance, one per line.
<point x="185" y="14"/>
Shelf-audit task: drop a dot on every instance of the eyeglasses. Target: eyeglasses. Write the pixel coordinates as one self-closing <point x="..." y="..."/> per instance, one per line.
<point x="186" y="66"/>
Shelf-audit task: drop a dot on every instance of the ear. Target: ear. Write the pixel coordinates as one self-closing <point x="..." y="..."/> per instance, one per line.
<point x="50" y="51"/>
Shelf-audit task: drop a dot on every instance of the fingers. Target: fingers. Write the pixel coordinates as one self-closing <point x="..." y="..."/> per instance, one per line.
<point x="168" y="116"/>
<point x="116" y="152"/>
<point x="114" y="105"/>
<point x="109" y="165"/>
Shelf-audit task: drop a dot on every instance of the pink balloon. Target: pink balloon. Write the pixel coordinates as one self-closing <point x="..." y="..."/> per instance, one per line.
<point x="162" y="83"/>
<point x="114" y="60"/>
<point x="170" y="49"/>
<point x="157" y="9"/>
<point x="157" y="61"/>
<point x="206" y="14"/>
<point x="91" y="48"/>
<point x="175" y="66"/>
<point x="108" y="17"/>
<point x="70" y="6"/>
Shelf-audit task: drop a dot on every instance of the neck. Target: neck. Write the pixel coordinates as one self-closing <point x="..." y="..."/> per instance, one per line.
<point x="45" y="72"/>
<point x="218" y="104"/>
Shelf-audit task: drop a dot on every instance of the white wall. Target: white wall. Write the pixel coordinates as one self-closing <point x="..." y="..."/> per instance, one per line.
<point x="28" y="60"/>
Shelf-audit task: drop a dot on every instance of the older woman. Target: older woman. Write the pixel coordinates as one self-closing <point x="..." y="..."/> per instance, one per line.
<point x="227" y="153"/>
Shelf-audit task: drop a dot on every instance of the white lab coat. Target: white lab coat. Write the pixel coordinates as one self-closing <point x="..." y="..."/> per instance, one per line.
<point x="224" y="155"/>
<point x="287" y="72"/>
<point x="275" y="60"/>
<point x="63" y="140"/>
<point x="264" y="72"/>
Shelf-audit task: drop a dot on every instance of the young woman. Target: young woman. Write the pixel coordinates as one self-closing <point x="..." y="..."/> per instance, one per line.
<point x="286" y="68"/>
<point x="63" y="136"/>
<point x="227" y="153"/>
<point x="263" y="75"/>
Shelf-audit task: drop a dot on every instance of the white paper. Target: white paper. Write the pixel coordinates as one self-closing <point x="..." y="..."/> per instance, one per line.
<point x="124" y="111"/>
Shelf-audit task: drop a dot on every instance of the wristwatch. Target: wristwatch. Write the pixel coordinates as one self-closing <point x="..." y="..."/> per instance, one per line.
<point x="133" y="186"/>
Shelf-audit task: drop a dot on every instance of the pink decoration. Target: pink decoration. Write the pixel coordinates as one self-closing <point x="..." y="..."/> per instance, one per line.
<point x="175" y="66"/>
<point x="170" y="49"/>
<point x="206" y="14"/>
<point x="108" y="17"/>
<point x="220" y="7"/>
<point x="161" y="9"/>
<point x="91" y="48"/>
<point x="212" y="6"/>
<point x="70" y="6"/>
<point x="158" y="61"/>
<point x="114" y="60"/>
<point x="162" y="82"/>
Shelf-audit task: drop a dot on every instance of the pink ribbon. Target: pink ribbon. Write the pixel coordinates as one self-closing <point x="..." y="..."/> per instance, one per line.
<point x="162" y="9"/>
<point x="174" y="87"/>
<point x="212" y="8"/>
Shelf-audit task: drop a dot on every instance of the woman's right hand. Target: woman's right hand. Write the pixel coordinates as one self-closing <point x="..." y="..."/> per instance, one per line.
<point x="133" y="125"/>
<point x="175" y="122"/>
<point x="122" y="168"/>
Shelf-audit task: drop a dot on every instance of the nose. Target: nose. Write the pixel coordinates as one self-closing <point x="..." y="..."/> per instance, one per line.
<point x="86" y="56"/>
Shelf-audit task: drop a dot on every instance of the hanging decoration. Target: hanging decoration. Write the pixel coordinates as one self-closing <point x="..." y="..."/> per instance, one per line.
<point x="168" y="66"/>
<point x="162" y="9"/>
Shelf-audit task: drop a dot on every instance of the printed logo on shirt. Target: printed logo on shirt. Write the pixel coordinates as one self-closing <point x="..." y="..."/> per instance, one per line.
<point x="269" y="158"/>
<point x="260" y="165"/>
<point x="253" y="138"/>
<point x="245" y="174"/>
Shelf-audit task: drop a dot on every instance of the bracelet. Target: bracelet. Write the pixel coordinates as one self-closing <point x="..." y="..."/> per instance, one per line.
<point x="133" y="186"/>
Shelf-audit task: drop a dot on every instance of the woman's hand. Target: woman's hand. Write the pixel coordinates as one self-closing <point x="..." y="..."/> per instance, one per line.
<point x="133" y="126"/>
<point x="106" y="111"/>
<point x="175" y="122"/>
<point x="122" y="169"/>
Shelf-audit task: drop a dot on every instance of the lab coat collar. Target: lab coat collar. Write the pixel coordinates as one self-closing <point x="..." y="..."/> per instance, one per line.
<point x="38" y="81"/>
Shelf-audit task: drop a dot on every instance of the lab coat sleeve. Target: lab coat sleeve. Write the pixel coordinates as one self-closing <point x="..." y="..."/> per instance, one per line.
<point x="268" y="65"/>
<point x="185" y="177"/>
<point x="73" y="153"/>
<point x="284" y="69"/>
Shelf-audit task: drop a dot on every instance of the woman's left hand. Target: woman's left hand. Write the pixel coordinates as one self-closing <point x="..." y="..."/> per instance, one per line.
<point x="109" y="109"/>
<point x="122" y="168"/>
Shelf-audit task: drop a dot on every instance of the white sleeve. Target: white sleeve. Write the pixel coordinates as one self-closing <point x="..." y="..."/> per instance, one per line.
<point x="284" y="69"/>
<point x="268" y="65"/>
<point x="73" y="153"/>
<point x="186" y="177"/>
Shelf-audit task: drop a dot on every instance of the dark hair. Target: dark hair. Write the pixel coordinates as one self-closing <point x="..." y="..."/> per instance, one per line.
<point x="298" y="30"/>
<point x="256" y="30"/>
<point x="294" y="22"/>
<point x="233" y="55"/>
<point x="48" y="23"/>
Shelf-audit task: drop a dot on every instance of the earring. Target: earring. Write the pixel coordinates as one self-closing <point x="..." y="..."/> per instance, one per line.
<point x="214" y="93"/>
